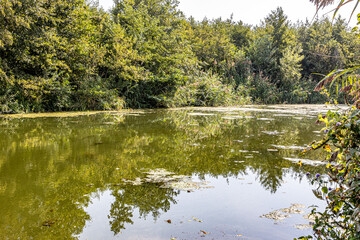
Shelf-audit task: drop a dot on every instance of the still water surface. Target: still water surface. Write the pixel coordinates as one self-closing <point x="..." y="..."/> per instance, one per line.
<point x="193" y="173"/>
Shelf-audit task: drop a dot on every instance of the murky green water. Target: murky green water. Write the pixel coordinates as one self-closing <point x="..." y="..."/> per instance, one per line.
<point x="206" y="173"/>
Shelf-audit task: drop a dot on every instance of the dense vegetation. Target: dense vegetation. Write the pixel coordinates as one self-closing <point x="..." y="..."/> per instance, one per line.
<point x="341" y="187"/>
<point x="72" y="55"/>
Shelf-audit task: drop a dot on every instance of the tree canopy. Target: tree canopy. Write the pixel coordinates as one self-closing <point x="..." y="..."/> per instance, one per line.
<point x="72" y="55"/>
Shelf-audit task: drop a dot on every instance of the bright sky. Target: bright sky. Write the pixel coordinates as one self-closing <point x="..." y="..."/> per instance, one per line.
<point x="251" y="11"/>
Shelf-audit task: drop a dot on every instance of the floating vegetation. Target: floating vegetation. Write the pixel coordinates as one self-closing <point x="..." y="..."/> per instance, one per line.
<point x="168" y="179"/>
<point x="239" y="161"/>
<point x="288" y="109"/>
<point x="297" y="205"/>
<point x="108" y="123"/>
<point x="303" y="226"/>
<point x="54" y="115"/>
<point x="272" y="132"/>
<point x="278" y="214"/>
<point x="201" y="114"/>
<point x="120" y="114"/>
<point x="136" y="182"/>
<point x="289" y="147"/>
<point x="292" y="210"/>
<point x="299" y="118"/>
<point x="306" y="161"/>
<point x="275" y="215"/>
<point x="266" y="119"/>
<point x="229" y="118"/>
<point x="243" y="151"/>
<point x="283" y="115"/>
<point x="186" y="185"/>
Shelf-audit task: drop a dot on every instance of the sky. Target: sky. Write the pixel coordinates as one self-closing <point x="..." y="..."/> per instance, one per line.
<point x="252" y="11"/>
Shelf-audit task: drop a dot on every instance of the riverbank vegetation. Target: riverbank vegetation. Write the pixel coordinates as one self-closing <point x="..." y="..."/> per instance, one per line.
<point x="72" y="55"/>
<point x="340" y="187"/>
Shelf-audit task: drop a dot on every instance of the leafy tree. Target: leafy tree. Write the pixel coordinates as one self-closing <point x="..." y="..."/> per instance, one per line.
<point x="53" y="56"/>
<point x="276" y="53"/>
<point x="160" y="34"/>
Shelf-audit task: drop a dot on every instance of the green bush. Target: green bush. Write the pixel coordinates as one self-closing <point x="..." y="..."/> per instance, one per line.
<point x="341" y="190"/>
<point x="262" y="90"/>
<point x="207" y="90"/>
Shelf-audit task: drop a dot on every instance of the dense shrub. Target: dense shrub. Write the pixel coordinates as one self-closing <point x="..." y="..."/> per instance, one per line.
<point x="207" y="90"/>
<point x="341" y="188"/>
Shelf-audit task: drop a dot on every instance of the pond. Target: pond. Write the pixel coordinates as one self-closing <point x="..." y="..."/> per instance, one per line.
<point x="191" y="173"/>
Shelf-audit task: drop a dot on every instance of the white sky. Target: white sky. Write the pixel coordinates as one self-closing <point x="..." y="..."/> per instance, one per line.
<point x="252" y="11"/>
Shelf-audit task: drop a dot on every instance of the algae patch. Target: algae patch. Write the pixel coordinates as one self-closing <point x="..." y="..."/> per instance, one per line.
<point x="272" y="132"/>
<point x="306" y="161"/>
<point x="168" y="179"/>
<point x="295" y="208"/>
<point x="289" y="147"/>
<point x="275" y="215"/>
<point x="303" y="226"/>
<point x="292" y="210"/>
<point x="279" y="214"/>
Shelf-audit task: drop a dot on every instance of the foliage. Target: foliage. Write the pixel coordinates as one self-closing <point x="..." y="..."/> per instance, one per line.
<point x="276" y="53"/>
<point x="71" y="55"/>
<point x="207" y="90"/>
<point x="341" y="190"/>
<point x="52" y="57"/>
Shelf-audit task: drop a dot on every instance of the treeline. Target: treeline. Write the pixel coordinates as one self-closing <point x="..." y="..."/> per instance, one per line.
<point x="60" y="55"/>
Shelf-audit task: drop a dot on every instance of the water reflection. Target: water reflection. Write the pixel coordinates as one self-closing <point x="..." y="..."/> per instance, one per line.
<point x="50" y="167"/>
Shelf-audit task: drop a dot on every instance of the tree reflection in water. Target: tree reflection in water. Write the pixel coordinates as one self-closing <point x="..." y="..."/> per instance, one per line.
<point x="50" y="167"/>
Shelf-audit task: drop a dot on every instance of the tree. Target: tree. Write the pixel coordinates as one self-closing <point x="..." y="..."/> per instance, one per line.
<point x="276" y="53"/>
<point x="160" y="33"/>
<point x="52" y="58"/>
